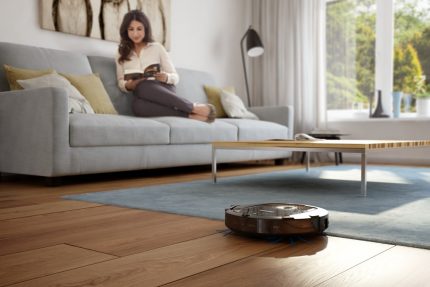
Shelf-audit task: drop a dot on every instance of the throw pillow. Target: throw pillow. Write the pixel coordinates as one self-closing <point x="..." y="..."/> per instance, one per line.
<point x="214" y="98"/>
<point x="13" y="74"/>
<point x="91" y="87"/>
<point x="234" y="106"/>
<point x="77" y="102"/>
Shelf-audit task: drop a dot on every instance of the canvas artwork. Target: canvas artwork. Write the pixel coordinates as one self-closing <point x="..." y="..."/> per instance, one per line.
<point x="102" y="18"/>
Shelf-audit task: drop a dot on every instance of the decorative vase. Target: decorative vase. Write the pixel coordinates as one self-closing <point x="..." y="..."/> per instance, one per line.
<point x="423" y="107"/>
<point x="407" y="100"/>
<point x="397" y="99"/>
<point x="379" y="110"/>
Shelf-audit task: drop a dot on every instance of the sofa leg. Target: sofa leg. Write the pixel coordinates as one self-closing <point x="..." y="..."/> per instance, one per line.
<point x="4" y="175"/>
<point x="53" y="181"/>
<point x="279" y="161"/>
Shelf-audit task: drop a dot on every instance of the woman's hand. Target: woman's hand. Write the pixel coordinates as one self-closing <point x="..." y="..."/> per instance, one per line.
<point x="131" y="84"/>
<point x="161" y="76"/>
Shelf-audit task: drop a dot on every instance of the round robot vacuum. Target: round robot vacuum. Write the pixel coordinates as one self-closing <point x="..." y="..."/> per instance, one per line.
<point x="276" y="219"/>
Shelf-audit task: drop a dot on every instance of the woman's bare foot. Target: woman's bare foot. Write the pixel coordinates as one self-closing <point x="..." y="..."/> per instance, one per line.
<point x="201" y="118"/>
<point x="201" y="109"/>
<point x="198" y="117"/>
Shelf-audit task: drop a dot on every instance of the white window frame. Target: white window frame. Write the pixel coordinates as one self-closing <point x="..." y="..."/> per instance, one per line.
<point x="384" y="61"/>
<point x="384" y="64"/>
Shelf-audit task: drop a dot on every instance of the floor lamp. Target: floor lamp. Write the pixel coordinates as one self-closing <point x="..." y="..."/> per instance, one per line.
<point x="254" y="48"/>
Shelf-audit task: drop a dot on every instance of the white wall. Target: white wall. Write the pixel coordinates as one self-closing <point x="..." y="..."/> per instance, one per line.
<point x="388" y="129"/>
<point x="205" y="35"/>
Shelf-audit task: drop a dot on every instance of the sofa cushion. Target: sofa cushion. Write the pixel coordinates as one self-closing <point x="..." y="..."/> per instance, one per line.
<point x="30" y="57"/>
<point x="234" y="107"/>
<point x="257" y="130"/>
<point x="88" y="130"/>
<point x="77" y="102"/>
<point x="187" y="131"/>
<point x="191" y="84"/>
<point x="214" y="98"/>
<point x="106" y="68"/>
<point x="91" y="87"/>
<point x="14" y="74"/>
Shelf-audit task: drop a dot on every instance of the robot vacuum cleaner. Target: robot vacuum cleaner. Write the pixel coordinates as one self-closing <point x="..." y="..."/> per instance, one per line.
<point x="276" y="219"/>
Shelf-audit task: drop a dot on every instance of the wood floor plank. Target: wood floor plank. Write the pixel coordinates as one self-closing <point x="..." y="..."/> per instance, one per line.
<point x="14" y="202"/>
<point x="400" y="266"/>
<point x="142" y="235"/>
<point x="36" y="263"/>
<point x="159" y="266"/>
<point x="112" y="230"/>
<point x="46" y="222"/>
<point x="43" y="208"/>
<point x="38" y="231"/>
<point x="300" y="264"/>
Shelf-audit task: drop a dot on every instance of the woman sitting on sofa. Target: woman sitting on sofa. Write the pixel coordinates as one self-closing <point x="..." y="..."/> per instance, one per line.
<point x="154" y="94"/>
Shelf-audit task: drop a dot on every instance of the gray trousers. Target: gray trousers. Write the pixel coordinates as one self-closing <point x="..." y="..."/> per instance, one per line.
<point x="155" y="99"/>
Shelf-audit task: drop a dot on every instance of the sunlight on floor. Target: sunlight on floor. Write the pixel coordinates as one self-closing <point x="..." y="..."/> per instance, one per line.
<point x="372" y="176"/>
<point x="425" y="176"/>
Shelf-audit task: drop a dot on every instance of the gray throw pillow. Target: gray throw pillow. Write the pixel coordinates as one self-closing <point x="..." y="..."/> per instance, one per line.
<point x="234" y="106"/>
<point x="77" y="102"/>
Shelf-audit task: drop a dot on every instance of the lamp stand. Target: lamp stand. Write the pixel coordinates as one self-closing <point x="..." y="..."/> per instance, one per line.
<point x="244" y="69"/>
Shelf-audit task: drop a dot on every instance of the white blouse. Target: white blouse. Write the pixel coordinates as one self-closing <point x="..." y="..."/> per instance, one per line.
<point x="152" y="53"/>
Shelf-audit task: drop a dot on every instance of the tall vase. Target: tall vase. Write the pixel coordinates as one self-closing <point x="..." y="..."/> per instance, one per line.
<point x="379" y="110"/>
<point x="407" y="99"/>
<point x="397" y="99"/>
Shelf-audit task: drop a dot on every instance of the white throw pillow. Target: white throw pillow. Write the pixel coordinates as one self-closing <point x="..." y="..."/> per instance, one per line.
<point x="234" y="106"/>
<point x="77" y="102"/>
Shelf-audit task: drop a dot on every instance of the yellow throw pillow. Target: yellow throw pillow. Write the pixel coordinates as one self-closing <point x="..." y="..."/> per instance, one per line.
<point x="91" y="87"/>
<point x="13" y="74"/>
<point x="214" y="98"/>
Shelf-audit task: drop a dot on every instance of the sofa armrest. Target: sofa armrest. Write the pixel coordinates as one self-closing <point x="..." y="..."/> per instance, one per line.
<point x="283" y="115"/>
<point x="34" y="131"/>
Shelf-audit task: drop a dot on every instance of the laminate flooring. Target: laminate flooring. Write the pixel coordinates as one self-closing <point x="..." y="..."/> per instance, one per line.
<point x="47" y="241"/>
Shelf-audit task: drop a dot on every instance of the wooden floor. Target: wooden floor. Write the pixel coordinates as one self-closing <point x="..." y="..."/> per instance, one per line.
<point x="46" y="241"/>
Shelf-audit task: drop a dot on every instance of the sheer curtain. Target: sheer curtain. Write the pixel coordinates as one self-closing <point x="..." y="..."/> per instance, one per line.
<point x="292" y="68"/>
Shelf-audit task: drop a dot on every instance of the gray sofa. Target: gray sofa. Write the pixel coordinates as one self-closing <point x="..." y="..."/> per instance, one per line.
<point x="39" y="137"/>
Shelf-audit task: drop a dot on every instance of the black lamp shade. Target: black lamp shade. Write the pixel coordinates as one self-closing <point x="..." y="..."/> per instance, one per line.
<point x="254" y="46"/>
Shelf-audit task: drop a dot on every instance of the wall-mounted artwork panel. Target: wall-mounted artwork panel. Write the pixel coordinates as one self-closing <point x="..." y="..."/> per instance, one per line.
<point x="102" y="18"/>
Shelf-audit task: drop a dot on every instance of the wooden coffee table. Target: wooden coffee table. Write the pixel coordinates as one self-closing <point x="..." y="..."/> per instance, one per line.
<point x="347" y="146"/>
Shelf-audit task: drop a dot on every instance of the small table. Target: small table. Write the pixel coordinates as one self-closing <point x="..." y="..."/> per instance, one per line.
<point x="353" y="146"/>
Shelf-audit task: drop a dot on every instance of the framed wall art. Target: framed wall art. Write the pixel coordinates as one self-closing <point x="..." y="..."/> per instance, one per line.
<point x="102" y="18"/>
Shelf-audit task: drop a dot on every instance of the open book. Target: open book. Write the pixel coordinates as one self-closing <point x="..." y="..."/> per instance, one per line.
<point x="149" y="72"/>
<point x="299" y="137"/>
<point x="304" y="137"/>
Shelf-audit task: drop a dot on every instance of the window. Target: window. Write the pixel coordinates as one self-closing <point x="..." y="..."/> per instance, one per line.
<point x="411" y="50"/>
<point x="353" y="38"/>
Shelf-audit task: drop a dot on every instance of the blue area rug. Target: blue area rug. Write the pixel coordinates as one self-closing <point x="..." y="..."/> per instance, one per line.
<point x="396" y="210"/>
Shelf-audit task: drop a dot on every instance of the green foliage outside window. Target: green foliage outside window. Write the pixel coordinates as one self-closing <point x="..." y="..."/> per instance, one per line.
<point x="421" y="89"/>
<point x="351" y="49"/>
<point x="407" y="68"/>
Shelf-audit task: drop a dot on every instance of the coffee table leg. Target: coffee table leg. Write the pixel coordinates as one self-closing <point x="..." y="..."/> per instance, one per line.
<point x="308" y="160"/>
<point x="363" y="174"/>
<point x="214" y="164"/>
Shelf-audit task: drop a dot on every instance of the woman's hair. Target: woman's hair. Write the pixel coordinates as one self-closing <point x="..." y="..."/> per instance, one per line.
<point x="126" y="45"/>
